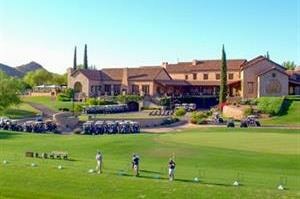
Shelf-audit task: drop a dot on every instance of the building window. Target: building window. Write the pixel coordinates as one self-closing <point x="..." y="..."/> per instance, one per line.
<point x="230" y="76"/>
<point x="250" y="87"/>
<point x="117" y="89"/>
<point x="218" y="76"/>
<point x="92" y="89"/>
<point x="273" y="75"/>
<point x="107" y="88"/>
<point x="205" y="76"/>
<point x="146" y="89"/>
<point x="135" y="89"/>
<point x="195" y="76"/>
<point x="186" y="77"/>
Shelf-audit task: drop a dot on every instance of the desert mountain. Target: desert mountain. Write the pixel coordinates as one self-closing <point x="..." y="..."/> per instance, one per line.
<point x="22" y="70"/>
<point x="11" y="71"/>
<point x="32" y="66"/>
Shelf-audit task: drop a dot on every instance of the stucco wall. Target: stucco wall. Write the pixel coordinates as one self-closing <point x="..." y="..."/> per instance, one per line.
<point x="200" y="75"/>
<point x="79" y="77"/>
<point x="273" y="83"/>
<point x="250" y="74"/>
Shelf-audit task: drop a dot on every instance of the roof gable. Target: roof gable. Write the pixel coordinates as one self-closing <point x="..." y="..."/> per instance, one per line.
<point x="89" y="74"/>
<point x="271" y="69"/>
<point x="257" y="60"/>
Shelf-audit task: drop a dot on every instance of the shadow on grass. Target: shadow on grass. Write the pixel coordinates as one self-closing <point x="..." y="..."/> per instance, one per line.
<point x="147" y="171"/>
<point x="18" y="114"/>
<point x="159" y="177"/>
<point x="7" y="135"/>
<point x="285" y="107"/>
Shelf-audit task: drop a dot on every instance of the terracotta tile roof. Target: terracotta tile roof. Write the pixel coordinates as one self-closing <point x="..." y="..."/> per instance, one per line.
<point x="144" y="73"/>
<point x="204" y="65"/>
<point x="112" y="74"/>
<point x="193" y="83"/>
<point x="136" y="74"/>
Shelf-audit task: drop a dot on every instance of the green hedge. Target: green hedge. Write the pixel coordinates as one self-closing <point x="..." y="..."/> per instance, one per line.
<point x="270" y="105"/>
<point x="128" y="98"/>
<point x="94" y="101"/>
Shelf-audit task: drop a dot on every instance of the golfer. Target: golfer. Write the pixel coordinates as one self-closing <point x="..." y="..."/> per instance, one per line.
<point x="99" y="158"/>
<point x="135" y="164"/>
<point x="172" y="166"/>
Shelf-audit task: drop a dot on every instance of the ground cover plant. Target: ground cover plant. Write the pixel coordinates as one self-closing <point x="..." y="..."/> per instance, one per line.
<point x="289" y="114"/>
<point x="49" y="102"/>
<point x="258" y="158"/>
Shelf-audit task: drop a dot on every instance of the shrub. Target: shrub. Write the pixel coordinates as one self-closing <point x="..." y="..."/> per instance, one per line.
<point x="180" y="112"/>
<point x="270" y="105"/>
<point x="78" y="109"/>
<point x="165" y="101"/>
<point x="91" y="101"/>
<point x="66" y="95"/>
<point x="198" y="117"/>
<point x="248" y="111"/>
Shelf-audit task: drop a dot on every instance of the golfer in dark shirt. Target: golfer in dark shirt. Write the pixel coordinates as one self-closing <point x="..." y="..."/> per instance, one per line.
<point x="172" y="166"/>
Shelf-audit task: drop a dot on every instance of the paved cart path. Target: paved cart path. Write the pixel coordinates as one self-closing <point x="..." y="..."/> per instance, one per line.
<point x="47" y="112"/>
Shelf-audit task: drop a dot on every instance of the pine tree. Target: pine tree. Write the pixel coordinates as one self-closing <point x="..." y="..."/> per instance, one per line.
<point x="85" y="59"/>
<point x="223" y="85"/>
<point x="75" y="59"/>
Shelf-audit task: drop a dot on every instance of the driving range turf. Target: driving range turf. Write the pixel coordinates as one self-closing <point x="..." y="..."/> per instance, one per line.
<point x="259" y="158"/>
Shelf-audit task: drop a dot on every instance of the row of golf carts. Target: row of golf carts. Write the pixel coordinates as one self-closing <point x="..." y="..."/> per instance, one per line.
<point x="106" y="109"/>
<point x="28" y="126"/>
<point x="110" y="127"/>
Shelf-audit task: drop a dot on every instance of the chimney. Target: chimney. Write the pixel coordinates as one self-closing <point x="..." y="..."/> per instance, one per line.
<point x="164" y="64"/>
<point x="194" y="62"/>
<point x="124" y="85"/>
<point x="69" y="76"/>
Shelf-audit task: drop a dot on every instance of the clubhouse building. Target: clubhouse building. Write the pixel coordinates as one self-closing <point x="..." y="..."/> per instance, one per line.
<point x="246" y="79"/>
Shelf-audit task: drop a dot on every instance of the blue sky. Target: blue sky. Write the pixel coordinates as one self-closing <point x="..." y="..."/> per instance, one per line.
<point x="146" y="32"/>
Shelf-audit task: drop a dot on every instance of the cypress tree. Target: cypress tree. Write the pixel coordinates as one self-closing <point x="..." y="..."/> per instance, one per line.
<point x="268" y="56"/>
<point x="85" y="59"/>
<point x="223" y="85"/>
<point x="75" y="59"/>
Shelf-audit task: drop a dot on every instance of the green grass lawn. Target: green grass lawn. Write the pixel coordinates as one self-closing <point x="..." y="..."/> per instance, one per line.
<point x="20" y="111"/>
<point x="291" y="117"/>
<point x="49" y="102"/>
<point x="260" y="157"/>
